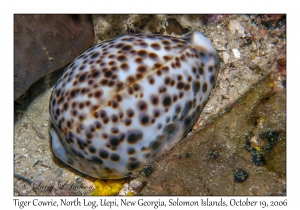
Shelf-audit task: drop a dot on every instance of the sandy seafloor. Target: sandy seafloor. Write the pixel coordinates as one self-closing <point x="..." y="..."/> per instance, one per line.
<point x="238" y="145"/>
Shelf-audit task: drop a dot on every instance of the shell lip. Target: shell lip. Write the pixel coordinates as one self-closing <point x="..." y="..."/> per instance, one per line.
<point x="202" y="42"/>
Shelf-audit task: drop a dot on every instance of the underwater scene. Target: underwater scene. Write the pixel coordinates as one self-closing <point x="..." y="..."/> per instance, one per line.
<point x="150" y="104"/>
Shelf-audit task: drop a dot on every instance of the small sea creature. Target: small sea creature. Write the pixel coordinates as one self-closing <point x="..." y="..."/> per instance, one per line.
<point x="240" y="175"/>
<point x="126" y="101"/>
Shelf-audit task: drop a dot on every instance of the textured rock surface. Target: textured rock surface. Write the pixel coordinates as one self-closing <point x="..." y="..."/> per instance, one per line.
<point x="207" y="161"/>
<point x="45" y="43"/>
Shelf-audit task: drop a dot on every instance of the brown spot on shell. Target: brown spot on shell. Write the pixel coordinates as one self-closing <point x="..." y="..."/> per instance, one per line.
<point x="143" y="44"/>
<point x="111" y="63"/>
<point x="139" y="76"/>
<point x="119" y="98"/>
<point x="97" y="160"/>
<point x="166" y="58"/>
<point x="142" y="105"/>
<point x="122" y="58"/>
<point x="105" y="120"/>
<point x="181" y="94"/>
<point x="97" y="94"/>
<point x="130" y="90"/>
<point x="92" y="149"/>
<point x="134" y="136"/>
<point x="201" y="70"/>
<point x="127" y="48"/>
<point x="175" y="98"/>
<point x="204" y="87"/>
<point x="65" y="106"/>
<point x="167" y="80"/>
<point x="112" y="56"/>
<point x="167" y="48"/>
<point x="130" y="79"/>
<point x="142" y="69"/>
<point x="159" y="126"/>
<point x="133" y="165"/>
<point x="114" y="118"/>
<point x="196" y="87"/>
<point x="119" y="45"/>
<point x="180" y="85"/>
<point x="155" y="145"/>
<point x="187" y="87"/>
<point x="114" y="104"/>
<point x="130" y="113"/>
<point x="130" y="151"/>
<point x="136" y="87"/>
<point x="212" y="79"/>
<point x="151" y="80"/>
<point x="153" y="56"/>
<point x="142" y="53"/>
<point x="155" y="46"/>
<point x="108" y="74"/>
<point x="156" y="113"/>
<point x="124" y="66"/>
<point x="166" y="42"/>
<point x="114" y="157"/>
<point x="139" y="60"/>
<point x="127" y="122"/>
<point x="144" y="119"/>
<point x="103" y="154"/>
<point x="104" y="135"/>
<point x="98" y="124"/>
<point x="114" y="130"/>
<point x="116" y="140"/>
<point x="157" y="65"/>
<point x="74" y="113"/>
<point x="186" y="109"/>
<point x="154" y="100"/>
<point x="167" y="100"/>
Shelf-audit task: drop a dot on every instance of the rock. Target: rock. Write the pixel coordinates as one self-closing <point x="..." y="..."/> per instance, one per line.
<point x="45" y="43"/>
<point x="236" y="53"/>
<point x="236" y="28"/>
<point x="225" y="57"/>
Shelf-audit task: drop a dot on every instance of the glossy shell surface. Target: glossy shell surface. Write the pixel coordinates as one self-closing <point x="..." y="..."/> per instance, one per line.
<point x="126" y="101"/>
